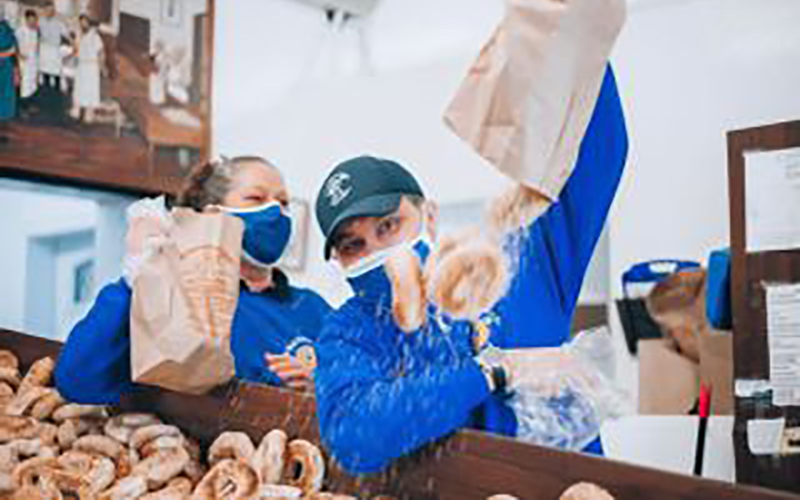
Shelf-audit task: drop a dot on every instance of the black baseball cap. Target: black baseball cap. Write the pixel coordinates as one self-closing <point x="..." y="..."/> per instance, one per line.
<point x="361" y="187"/>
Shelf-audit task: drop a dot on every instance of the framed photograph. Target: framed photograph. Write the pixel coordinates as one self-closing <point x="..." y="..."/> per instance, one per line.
<point x="295" y="257"/>
<point x="83" y="282"/>
<point x="108" y="99"/>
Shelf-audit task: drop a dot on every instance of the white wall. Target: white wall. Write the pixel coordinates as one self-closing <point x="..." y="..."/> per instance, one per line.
<point x="28" y="214"/>
<point x="689" y="71"/>
<point x="268" y="102"/>
<point x="71" y="252"/>
<point x="34" y="220"/>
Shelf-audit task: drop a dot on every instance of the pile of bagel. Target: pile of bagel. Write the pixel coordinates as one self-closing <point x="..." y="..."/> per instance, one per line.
<point x="52" y="450"/>
<point x="579" y="491"/>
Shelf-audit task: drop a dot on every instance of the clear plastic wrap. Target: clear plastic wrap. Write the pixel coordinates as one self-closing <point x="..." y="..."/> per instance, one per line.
<point x="149" y="221"/>
<point x="562" y="396"/>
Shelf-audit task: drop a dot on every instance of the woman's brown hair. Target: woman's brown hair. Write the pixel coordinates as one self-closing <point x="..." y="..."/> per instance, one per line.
<point x="209" y="182"/>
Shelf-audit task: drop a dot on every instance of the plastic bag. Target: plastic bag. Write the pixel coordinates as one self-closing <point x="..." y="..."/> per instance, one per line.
<point x="562" y="396"/>
<point x="149" y="224"/>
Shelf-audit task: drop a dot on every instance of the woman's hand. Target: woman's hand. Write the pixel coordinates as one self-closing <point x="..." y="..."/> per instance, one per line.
<point x="293" y="373"/>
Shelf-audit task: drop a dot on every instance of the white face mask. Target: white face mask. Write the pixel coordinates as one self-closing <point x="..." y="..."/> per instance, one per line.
<point x="379" y="258"/>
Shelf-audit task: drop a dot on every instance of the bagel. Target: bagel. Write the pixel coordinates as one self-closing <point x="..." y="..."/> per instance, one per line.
<point x="179" y="488"/>
<point x="25" y="400"/>
<point x="8" y="360"/>
<point x="39" y="375"/>
<point x="467" y="276"/>
<point x="9" y="458"/>
<point x="144" y="435"/>
<point x="329" y="496"/>
<point x="10" y="376"/>
<point x="13" y="428"/>
<point x="195" y="471"/>
<point x="123" y="426"/>
<point x="159" y="468"/>
<point x="100" y="445"/>
<point x="73" y="411"/>
<point x="98" y="472"/>
<point x="268" y="459"/>
<point x="236" y="445"/>
<point x="129" y="488"/>
<point x="6" y="390"/>
<point x="162" y="443"/>
<point x="280" y="492"/>
<point x="409" y="305"/>
<point x="47" y="404"/>
<point x="305" y="467"/>
<point x="228" y="480"/>
<point x="127" y="461"/>
<point x="585" y="491"/>
<point x="7" y="484"/>
<point x="48" y="434"/>
<point x="29" y="472"/>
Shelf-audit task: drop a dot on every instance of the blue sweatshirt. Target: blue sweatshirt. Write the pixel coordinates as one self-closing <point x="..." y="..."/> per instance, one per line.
<point x="382" y="393"/>
<point x="94" y="365"/>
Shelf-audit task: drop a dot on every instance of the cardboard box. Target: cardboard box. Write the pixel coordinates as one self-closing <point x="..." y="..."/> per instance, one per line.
<point x="716" y="370"/>
<point x="669" y="383"/>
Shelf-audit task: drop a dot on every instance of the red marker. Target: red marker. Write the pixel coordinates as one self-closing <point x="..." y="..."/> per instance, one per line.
<point x="705" y="411"/>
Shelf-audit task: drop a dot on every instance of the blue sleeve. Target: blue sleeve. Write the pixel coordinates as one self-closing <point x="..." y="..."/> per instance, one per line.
<point x="568" y="232"/>
<point x="94" y="366"/>
<point x="317" y="309"/>
<point x="369" y="417"/>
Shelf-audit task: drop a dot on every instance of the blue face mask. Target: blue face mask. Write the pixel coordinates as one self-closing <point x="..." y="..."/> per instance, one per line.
<point x="267" y="231"/>
<point x="368" y="277"/>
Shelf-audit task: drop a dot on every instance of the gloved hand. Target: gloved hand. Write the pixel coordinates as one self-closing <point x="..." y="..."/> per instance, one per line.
<point x="149" y="224"/>
<point x="542" y="370"/>
<point x="559" y="396"/>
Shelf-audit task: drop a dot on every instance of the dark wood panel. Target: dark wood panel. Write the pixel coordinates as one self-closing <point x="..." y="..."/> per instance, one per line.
<point x="469" y="465"/>
<point x="750" y="270"/>
<point x="749" y="273"/>
<point x="587" y="317"/>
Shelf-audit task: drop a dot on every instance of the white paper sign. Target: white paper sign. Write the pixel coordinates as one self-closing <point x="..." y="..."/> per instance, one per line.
<point x="772" y="200"/>
<point x="764" y="437"/>
<point x="783" y="331"/>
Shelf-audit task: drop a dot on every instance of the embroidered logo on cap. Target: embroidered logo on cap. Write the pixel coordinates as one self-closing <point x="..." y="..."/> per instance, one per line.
<point x="338" y="188"/>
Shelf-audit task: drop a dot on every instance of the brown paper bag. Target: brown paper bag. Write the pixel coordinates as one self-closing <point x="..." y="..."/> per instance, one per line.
<point x="527" y="101"/>
<point x="184" y="300"/>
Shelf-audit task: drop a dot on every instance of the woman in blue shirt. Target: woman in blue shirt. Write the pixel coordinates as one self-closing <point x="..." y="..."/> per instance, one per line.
<point x="273" y="320"/>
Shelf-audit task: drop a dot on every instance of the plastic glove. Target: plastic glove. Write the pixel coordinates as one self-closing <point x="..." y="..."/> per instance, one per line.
<point x="149" y="225"/>
<point x="559" y="396"/>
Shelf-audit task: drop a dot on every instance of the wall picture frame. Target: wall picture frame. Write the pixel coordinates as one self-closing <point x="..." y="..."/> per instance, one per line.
<point x="121" y="102"/>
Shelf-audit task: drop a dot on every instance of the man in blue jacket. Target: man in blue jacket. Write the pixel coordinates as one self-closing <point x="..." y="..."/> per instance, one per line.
<point x="383" y="393"/>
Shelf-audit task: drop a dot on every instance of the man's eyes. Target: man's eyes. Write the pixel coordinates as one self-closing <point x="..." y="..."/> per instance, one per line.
<point x="351" y="247"/>
<point x="388" y="226"/>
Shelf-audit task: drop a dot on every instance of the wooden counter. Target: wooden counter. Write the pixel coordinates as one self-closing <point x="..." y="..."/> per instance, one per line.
<point x="469" y="465"/>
